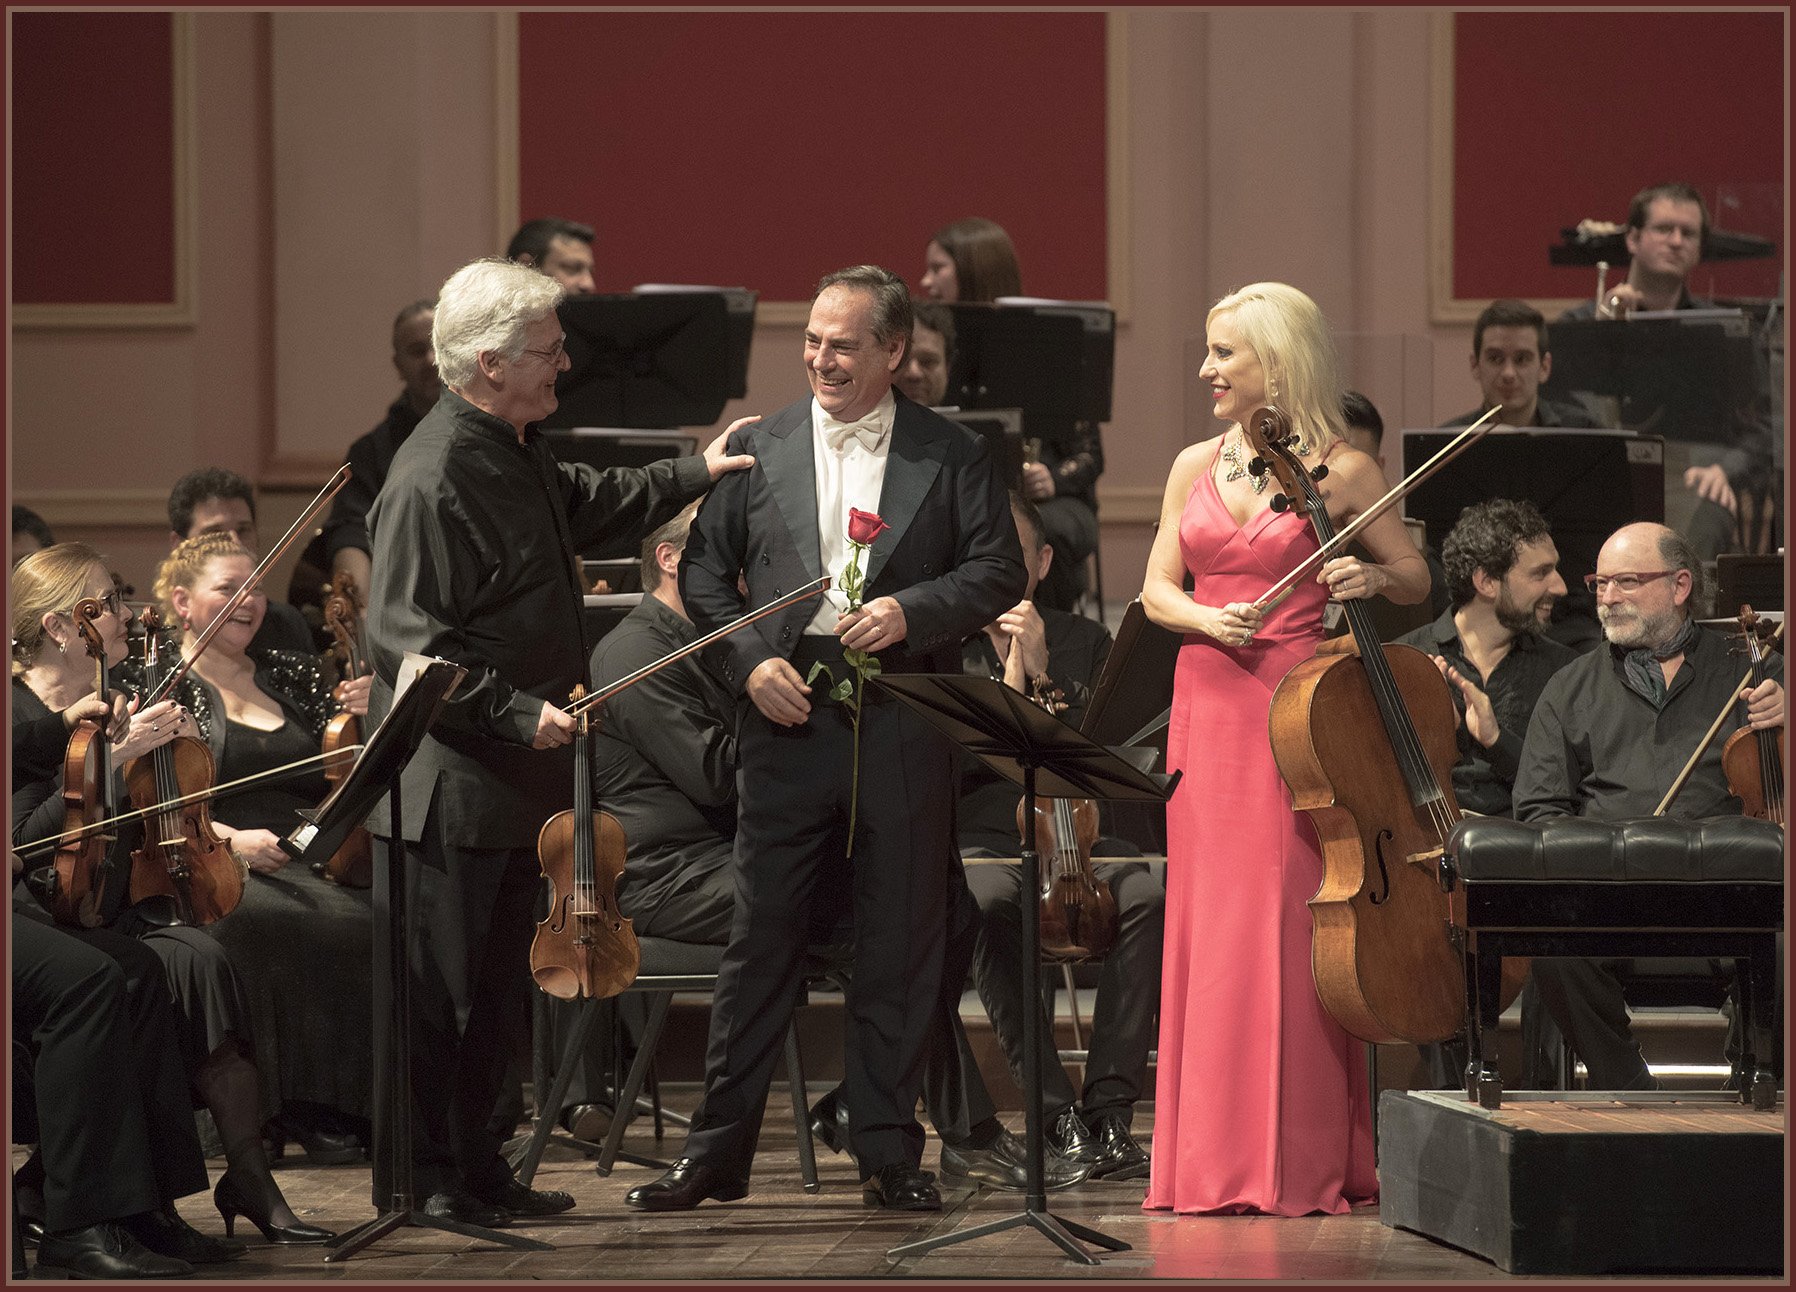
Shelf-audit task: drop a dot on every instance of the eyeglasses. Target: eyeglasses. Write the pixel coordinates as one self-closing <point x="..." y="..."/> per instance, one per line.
<point x="1628" y="583"/>
<point x="551" y="356"/>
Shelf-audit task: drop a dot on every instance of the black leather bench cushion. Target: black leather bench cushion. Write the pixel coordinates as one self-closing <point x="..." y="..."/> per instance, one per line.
<point x="1728" y="849"/>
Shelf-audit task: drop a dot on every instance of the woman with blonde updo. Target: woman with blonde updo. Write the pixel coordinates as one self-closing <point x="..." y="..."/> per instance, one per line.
<point x="52" y="689"/>
<point x="303" y="945"/>
<point x="1261" y="1102"/>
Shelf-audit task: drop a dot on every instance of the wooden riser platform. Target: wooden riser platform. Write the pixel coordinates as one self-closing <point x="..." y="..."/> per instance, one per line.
<point x="1589" y="1183"/>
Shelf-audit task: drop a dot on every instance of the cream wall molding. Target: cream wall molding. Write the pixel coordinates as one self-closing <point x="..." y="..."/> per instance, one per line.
<point x="1129" y="504"/>
<point x="183" y="310"/>
<point x="112" y="508"/>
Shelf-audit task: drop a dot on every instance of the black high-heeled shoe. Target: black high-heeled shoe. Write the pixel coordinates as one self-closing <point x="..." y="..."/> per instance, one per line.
<point x="232" y="1202"/>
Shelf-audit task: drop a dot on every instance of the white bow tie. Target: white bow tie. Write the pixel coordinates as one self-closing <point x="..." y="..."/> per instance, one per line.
<point x="868" y="430"/>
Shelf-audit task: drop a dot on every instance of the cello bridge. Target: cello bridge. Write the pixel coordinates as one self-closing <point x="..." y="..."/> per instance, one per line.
<point x="1428" y="858"/>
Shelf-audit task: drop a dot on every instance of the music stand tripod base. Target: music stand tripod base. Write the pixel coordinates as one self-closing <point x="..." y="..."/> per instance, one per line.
<point x="376" y="772"/>
<point x="1016" y="739"/>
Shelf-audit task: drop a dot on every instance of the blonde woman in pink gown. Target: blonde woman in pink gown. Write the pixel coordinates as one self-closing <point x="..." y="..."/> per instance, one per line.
<point x="1261" y="1103"/>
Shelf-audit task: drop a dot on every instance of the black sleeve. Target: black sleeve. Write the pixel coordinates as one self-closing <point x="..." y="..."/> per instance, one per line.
<point x="348" y="523"/>
<point x="1076" y="457"/>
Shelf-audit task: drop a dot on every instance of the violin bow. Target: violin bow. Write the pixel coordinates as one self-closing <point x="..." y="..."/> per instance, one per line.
<point x="198" y="796"/>
<point x="1714" y="727"/>
<point x="306" y="517"/>
<point x="1452" y="449"/>
<point x="815" y="588"/>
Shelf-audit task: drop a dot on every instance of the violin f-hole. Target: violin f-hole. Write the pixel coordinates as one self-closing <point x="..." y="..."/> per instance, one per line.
<point x="1384" y="872"/>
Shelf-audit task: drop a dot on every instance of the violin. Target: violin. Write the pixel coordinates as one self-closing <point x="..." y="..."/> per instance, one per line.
<point x="1078" y="911"/>
<point x="1366" y="741"/>
<point x="584" y="947"/>
<point x="352" y="865"/>
<point x="87" y="799"/>
<point x="1753" y="760"/>
<point x="181" y="858"/>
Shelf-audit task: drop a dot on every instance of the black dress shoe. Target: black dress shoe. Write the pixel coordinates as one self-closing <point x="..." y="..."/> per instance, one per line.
<point x="1072" y="1139"/>
<point x="32" y="1229"/>
<point x="322" y="1147"/>
<point x="453" y="1204"/>
<point x="899" y="1187"/>
<point x="1123" y="1158"/>
<point x="165" y="1233"/>
<point x="587" y="1122"/>
<point x="521" y="1200"/>
<point x="686" y="1184"/>
<point x="106" y="1251"/>
<point x="829" y="1123"/>
<point x="1004" y="1164"/>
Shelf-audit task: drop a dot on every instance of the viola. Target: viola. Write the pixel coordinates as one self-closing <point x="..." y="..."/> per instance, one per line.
<point x="88" y="798"/>
<point x="1078" y="915"/>
<point x="1365" y="738"/>
<point x="584" y="947"/>
<point x="352" y="865"/>
<point x="181" y="858"/>
<point x="1753" y="761"/>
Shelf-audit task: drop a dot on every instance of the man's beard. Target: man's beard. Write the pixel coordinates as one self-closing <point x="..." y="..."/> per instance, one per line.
<point x="1520" y="620"/>
<point x="1636" y="630"/>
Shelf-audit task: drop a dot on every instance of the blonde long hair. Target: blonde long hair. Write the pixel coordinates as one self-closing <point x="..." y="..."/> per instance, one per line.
<point x="1287" y="330"/>
<point x="48" y="582"/>
<point x="182" y="567"/>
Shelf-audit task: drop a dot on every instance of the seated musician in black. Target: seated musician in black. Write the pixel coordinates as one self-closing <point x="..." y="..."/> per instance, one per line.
<point x="1062" y="652"/>
<point x="1612" y="731"/>
<point x="106" y="1101"/>
<point x="1503" y="575"/>
<point x="664" y="764"/>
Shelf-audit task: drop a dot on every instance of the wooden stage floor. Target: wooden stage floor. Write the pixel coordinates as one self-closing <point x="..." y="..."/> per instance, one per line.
<point x="779" y="1233"/>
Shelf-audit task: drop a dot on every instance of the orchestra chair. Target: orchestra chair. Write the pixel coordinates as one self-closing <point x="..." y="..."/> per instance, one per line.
<point x="1652" y="887"/>
<point x="668" y="967"/>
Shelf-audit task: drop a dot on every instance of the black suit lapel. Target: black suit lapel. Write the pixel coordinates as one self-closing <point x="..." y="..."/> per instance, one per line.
<point x="912" y="464"/>
<point x="792" y="477"/>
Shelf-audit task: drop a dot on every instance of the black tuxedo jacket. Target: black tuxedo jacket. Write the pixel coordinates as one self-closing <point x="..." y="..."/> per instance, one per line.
<point x="951" y="557"/>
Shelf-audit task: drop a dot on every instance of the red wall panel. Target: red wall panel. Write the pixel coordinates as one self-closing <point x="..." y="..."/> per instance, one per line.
<point x="765" y="149"/>
<point x="93" y="158"/>
<point x="1565" y="116"/>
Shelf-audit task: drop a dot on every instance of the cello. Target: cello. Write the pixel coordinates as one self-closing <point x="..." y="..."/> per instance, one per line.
<point x="1753" y="760"/>
<point x="585" y="947"/>
<point x="1386" y="964"/>
<point x="1755" y="775"/>
<point x="352" y="865"/>
<point x="181" y="858"/>
<point x="88" y="798"/>
<point x="1078" y="915"/>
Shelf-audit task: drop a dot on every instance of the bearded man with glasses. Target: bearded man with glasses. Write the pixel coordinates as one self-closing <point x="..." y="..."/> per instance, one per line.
<point x="1610" y="734"/>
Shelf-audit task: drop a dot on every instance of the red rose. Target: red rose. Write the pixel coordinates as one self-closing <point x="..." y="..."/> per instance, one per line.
<point x="864" y="527"/>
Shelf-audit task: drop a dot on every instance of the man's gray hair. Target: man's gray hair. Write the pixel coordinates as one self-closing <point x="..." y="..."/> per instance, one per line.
<point x="488" y="305"/>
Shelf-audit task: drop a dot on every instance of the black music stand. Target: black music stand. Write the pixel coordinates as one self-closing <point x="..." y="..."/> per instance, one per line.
<point x="1030" y="747"/>
<point x="377" y="772"/>
<point x="648" y="362"/>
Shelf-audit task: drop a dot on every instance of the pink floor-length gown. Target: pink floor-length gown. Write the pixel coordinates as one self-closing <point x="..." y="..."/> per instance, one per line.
<point x="1260" y="1103"/>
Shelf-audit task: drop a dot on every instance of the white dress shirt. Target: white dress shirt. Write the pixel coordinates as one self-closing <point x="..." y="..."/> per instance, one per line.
<point x="850" y="473"/>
